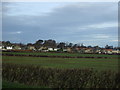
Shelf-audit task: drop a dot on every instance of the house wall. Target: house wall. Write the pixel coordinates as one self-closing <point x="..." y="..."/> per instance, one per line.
<point x="115" y="51"/>
<point x="32" y="48"/>
<point x="17" y="47"/>
<point x="55" y="49"/>
<point x="9" y="48"/>
<point x="50" y="49"/>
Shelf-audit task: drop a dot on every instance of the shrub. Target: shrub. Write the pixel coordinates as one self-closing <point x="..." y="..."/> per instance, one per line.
<point x="60" y="78"/>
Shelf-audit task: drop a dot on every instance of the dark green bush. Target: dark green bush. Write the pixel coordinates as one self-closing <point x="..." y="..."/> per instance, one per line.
<point x="60" y="78"/>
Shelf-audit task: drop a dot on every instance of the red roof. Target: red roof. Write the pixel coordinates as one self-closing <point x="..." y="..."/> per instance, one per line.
<point x="109" y="49"/>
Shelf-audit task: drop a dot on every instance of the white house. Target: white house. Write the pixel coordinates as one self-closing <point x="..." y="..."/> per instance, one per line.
<point x="50" y="49"/>
<point x="109" y="51"/>
<point x="115" y="51"/>
<point x="0" y="47"/>
<point x="9" y="48"/>
<point x="64" y="50"/>
<point x="56" y="49"/>
<point x="31" y="48"/>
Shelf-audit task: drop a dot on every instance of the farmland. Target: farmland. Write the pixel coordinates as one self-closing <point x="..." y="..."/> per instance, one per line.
<point x="58" y="65"/>
<point x="60" y="54"/>
<point x="99" y="64"/>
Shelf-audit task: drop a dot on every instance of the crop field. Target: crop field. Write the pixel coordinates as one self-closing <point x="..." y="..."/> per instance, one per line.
<point x="58" y="68"/>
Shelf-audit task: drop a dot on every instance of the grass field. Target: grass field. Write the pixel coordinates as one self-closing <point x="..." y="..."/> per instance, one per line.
<point x="98" y="64"/>
<point x="61" y="54"/>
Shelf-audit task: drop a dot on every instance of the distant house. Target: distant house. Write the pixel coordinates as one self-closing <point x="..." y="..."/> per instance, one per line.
<point x="31" y="48"/>
<point x="69" y="49"/>
<point x="73" y="49"/>
<point x="24" y="47"/>
<point x="108" y="51"/>
<point x="103" y="51"/>
<point x="56" y="49"/>
<point x="115" y="51"/>
<point x="0" y="47"/>
<point x="98" y="51"/>
<point x="88" y="50"/>
<point x="43" y="49"/>
<point x="119" y="52"/>
<point x="81" y="51"/>
<point x="50" y="49"/>
<point x="17" y="47"/>
<point x="9" y="47"/>
<point x="64" y="50"/>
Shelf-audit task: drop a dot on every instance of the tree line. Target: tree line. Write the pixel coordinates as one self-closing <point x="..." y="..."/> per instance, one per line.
<point x="53" y="44"/>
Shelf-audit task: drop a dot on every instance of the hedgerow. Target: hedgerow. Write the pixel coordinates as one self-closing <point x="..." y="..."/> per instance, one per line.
<point x="60" y="78"/>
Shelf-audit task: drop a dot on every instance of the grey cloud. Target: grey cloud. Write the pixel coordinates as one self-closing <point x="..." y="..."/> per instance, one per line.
<point x="63" y="23"/>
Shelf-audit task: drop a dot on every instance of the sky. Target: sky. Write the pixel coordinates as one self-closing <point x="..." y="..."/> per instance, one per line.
<point x="90" y="23"/>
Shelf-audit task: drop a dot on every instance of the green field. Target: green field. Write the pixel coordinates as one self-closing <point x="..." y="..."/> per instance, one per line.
<point x="64" y="65"/>
<point x="60" y="54"/>
<point x="98" y="64"/>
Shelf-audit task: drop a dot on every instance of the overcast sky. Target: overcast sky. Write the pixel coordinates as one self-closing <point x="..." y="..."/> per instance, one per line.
<point x="90" y="23"/>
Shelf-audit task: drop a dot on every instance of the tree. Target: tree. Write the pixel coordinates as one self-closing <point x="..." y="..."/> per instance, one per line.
<point x="61" y="45"/>
<point x="50" y="43"/>
<point x="89" y="46"/>
<point x="38" y="44"/>
<point x="108" y="47"/>
<point x="70" y="45"/>
<point x="75" y="46"/>
<point x="29" y="44"/>
<point x="8" y="43"/>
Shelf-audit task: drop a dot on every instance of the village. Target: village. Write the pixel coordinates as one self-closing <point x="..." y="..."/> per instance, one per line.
<point x="52" y="46"/>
